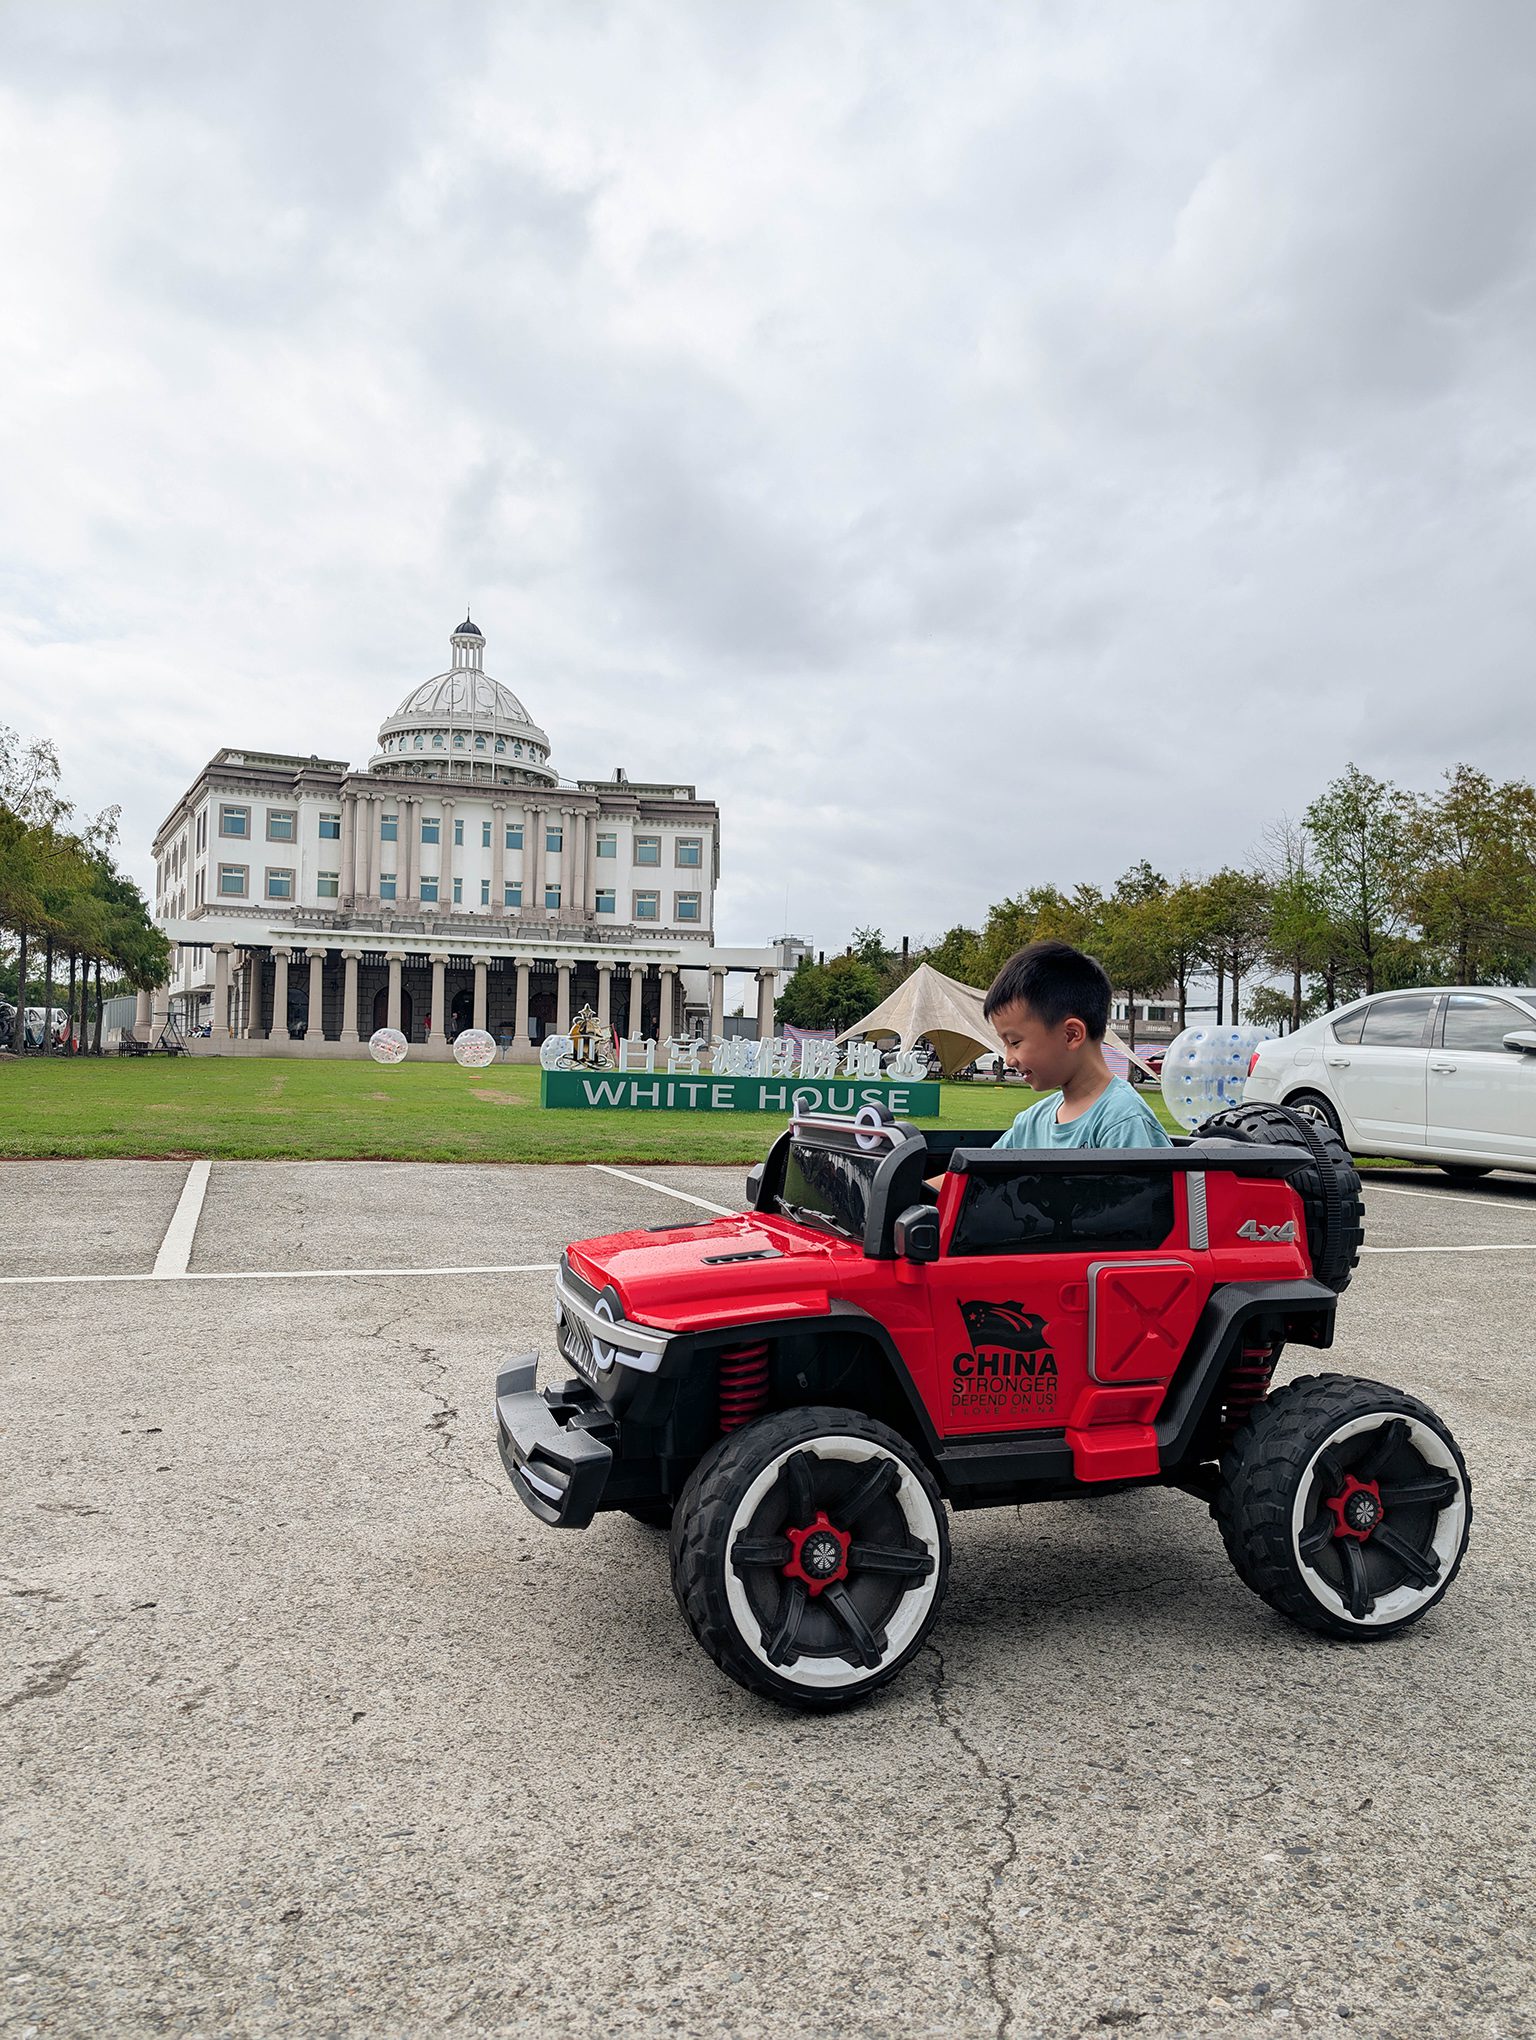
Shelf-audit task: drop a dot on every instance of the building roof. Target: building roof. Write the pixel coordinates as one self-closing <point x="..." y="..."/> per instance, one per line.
<point x="469" y="628"/>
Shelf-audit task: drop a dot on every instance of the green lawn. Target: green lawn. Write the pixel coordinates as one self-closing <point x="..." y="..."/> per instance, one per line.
<point x="234" y="1109"/>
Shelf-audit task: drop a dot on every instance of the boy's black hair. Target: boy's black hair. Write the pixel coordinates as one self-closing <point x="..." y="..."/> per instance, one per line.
<point x="1056" y="982"/>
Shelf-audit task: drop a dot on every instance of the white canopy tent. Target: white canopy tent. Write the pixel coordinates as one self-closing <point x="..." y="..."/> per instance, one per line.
<point x="927" y="1006"/>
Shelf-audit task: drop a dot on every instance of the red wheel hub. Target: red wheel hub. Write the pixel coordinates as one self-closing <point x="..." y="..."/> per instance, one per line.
<point x="818" y="1553"/>
<point x="1357" y="1508"/>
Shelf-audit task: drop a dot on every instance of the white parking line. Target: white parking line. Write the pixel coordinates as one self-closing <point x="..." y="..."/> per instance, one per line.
<point x="1506" y="1247"/>
<point x="175" y="1253"/>
<point x="279" y="1274"/>
<point x="683" y="1196"/>
<point x="1451" y="1197"/>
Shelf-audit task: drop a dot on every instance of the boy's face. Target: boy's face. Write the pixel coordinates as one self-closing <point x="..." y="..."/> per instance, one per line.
<point x="1044" y="1056"/>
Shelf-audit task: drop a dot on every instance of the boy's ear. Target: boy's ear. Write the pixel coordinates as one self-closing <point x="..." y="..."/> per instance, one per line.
<point x="1074" y="1033"/>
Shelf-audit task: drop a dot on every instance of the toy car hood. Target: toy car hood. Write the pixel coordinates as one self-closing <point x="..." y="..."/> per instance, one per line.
<point x="731" y="1271"/>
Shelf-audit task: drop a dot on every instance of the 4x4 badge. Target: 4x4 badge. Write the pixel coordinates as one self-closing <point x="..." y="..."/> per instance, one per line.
<point x="1250" y="1229"/>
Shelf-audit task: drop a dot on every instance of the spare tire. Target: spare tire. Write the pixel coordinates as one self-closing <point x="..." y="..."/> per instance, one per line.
<point x="1327" y="1184"/>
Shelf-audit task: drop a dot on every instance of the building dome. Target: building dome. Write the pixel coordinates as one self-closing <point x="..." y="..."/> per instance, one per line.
<point x="462" y="724"/>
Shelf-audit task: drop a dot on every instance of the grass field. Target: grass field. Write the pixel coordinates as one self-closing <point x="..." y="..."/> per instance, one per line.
<point x="237" y="1109"/>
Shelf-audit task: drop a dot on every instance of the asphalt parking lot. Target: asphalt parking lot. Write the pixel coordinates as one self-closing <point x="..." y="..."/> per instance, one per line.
<point x="309" y="1729"/>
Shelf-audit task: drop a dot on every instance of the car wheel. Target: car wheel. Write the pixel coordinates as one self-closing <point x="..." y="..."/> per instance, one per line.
<point x="1314" y="1106"/>
<point x="1464" y="1172"/>
<point x="1345" y="1505"/>
<point x="810" y="1554"/>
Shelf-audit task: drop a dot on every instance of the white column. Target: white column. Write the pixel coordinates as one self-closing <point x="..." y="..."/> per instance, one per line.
<point x="563" y="1001"/>
<point x="636" y="985"/>
<point x="668" y="1021"/>
<point x="367" y="827"/>
<point x="479" y="1009"/>
<point x="765" y="984"/>
<point x="394" y="958"/>
<point x="220" y="1030"/>
<point x="520" y="964"/>
<point x="498" y="857"/>
<point x="280" y="994"/>
<point x="409" y="887"/>
<point x="141" y="1011"/>
<point x="254" y="1031"/>
<point x="438" y="1031"/>
<point x="348" y="880"/>
<point x="445" y="864"/>
<point x="349" y="998"/>
<point x="716" y="1002"/>
<point x="605" y="993"/>
<point x="314" y="1014"/>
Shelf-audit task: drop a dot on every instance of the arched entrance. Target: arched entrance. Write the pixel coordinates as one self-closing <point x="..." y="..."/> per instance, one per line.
<point x="381" y="1010"/>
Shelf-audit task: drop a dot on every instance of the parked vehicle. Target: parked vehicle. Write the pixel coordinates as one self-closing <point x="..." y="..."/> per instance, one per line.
<point x="799" y="1390"/>
<point x="1444" y="1075"/>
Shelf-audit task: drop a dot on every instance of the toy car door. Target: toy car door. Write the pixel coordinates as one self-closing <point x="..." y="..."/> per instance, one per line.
<point x="1026" y="1242"/>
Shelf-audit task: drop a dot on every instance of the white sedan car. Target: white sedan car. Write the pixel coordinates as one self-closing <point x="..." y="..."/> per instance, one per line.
<point x="1446" y="1076"/>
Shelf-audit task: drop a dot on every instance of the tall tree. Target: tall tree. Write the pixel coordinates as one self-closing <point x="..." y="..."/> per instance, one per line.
<point x="1296" y="939"/>
<point x="1471" y="876"/>
<point x="1359" y="830"/>
<point x="1237" y="914"/>
<point x="1135" y="938"/>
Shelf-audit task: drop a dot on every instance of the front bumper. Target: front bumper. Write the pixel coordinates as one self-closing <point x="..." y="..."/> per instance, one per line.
<point x="556" y="1444"/>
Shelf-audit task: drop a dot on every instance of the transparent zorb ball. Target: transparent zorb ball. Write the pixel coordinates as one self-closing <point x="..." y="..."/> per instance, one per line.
<point x="388" y="1045"/>
<point x="1205" y="1069"/>
<point x="474" y="1048"/>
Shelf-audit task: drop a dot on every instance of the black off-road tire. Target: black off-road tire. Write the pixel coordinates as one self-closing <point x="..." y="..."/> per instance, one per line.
<point x="1329" y="1189"/>
<point x="718" y="1598"/>
<point x="1271" y="1504"/>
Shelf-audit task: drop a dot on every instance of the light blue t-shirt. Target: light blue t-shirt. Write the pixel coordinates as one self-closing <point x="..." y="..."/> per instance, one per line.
<point x="1115" y="1119"/>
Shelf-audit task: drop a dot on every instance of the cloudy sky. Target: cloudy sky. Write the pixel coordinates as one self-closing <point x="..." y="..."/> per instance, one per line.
<point x="977" y="443"/>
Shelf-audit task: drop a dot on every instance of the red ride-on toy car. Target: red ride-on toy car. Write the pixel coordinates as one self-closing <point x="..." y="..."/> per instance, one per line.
<point x="800" y="1390"/>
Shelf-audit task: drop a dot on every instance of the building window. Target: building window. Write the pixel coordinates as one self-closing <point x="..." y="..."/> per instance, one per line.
<point x="514" y="835"/>
<point x="282" y="825"/>
<point x="197" y="890"/>
<point x="386" y="885"/>
<point x="607" y="900"/>
<point x="690" y="850"/>
<point x="485" y="892"/>
<point x="607" y="843"/>
<point x="420" y="743"/>
<point x="330" y="828"/>
<point x="647" y="906"/>
<point x="458" y="892"/>
<point x="232" y="878"/>
<point x="501" y="743"/>
<point x="234" y="821"/>
<point x="554" y="837"/>
<point x="458" y="740"/>
<point x="485" y="835"/>
<point x="279" y="884"/>
<point x="551" y="896"/>
<point x="458" y="831"/>
<point x="431" y="828"/>
<point x="437" y="740"/>
<point x="480" y="743"/>
<point x="512" y="893"/>
<point x="328" y="884"/>
<point x="389" y="828"/>
<point x="685" y="906"/>
<point x="647" y="849"/>
<point x="429" y="890"/>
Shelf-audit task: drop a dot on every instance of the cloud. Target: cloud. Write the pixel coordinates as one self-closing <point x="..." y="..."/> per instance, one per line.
<point x="974" y="445"/>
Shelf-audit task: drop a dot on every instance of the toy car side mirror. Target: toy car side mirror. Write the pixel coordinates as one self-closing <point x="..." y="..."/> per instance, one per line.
<point x="917" y="1233"/>
<point x="1522" y="1041"/>
<point x="754" y="1186"/>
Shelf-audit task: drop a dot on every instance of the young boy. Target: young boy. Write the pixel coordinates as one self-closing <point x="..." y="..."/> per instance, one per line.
<point x="1050" y="1006"/>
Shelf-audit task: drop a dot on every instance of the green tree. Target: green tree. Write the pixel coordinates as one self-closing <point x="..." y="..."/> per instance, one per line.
<point x="834" y="994"/>
<point x="1296" y="935"/>
<point x="1135" y="937"/>
<point x="1237" y="904"/>
<point x="957" y="954"/>
<point x="1471" y="876"/>
<point x="1359" y="830"/>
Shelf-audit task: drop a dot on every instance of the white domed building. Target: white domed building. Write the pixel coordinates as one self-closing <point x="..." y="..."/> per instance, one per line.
<point x="457" y="881"/>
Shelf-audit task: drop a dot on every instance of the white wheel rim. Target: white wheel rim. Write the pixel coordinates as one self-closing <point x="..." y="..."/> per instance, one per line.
<point x="830" y="1674"/>
<point x="1450" y="1524"/>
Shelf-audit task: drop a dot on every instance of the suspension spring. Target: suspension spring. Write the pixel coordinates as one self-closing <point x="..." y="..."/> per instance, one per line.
<point x="743" y="1384"/>
<point x="1244" y="1388"/>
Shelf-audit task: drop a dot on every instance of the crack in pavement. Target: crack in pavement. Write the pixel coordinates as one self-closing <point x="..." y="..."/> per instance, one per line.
<point x="52" y="1679"/>
<point x="1001" y="1862"/>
